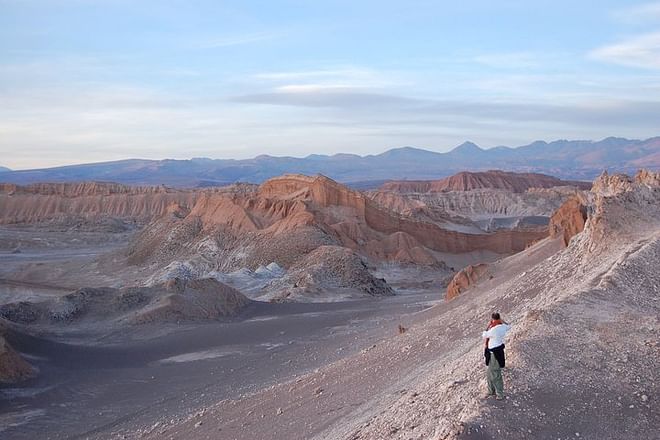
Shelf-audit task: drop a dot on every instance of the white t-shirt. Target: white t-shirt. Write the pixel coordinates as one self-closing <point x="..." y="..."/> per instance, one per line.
<point x="496" y="335"/>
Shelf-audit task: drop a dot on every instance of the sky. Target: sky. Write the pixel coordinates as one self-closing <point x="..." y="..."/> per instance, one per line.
<point x="95" y="80"/>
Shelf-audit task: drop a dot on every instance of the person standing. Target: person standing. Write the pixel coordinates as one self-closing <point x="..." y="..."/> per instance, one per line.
<point x="494" y="354"/>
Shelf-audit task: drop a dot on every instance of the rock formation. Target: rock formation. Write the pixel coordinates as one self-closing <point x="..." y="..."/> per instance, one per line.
<point x="289" y="216"/>
<point x="66" y="202"/>
<point x="173" y="300"/>
<point x="568" y="220"/>
<point x="611" y="185"/>
<point x="191" y="233"/>
<point x="623" y="206"/>
<point x="200" y="299"/>
<point x="469" y="181"/>
<point x="461" y="208"/>
<point x="333" y="267"/>
<point x="465" y="278"/>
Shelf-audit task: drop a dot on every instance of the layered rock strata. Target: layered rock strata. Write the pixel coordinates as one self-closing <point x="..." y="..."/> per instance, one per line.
<point x="469" y="181"/>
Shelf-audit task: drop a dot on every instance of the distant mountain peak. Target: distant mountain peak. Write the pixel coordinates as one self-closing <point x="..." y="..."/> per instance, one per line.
<point x="406" y="149"/>
<point x="467" y="147"/>
<point x="407" y="152"/>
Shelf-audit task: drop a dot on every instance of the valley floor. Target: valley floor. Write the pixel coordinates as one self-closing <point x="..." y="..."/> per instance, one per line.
<point x="137" y="377"/>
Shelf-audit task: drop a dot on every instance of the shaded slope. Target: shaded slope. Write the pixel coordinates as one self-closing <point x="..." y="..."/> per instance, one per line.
<point x="173" y="301"/>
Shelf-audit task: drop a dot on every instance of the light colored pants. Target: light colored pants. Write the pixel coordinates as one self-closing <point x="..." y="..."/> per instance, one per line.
<point x="494" y="377"/>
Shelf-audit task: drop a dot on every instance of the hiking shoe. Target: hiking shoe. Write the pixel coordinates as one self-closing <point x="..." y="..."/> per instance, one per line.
<point x="488" y="396"/>
<point x="499" y="397"/>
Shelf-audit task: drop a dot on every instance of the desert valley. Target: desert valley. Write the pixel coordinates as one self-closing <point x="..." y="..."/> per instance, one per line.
<point x="303" y="308"/>
<point x="329" y="220"/>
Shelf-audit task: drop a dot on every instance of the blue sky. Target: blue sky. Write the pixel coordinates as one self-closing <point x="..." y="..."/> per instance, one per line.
<point x="86" y="80"/>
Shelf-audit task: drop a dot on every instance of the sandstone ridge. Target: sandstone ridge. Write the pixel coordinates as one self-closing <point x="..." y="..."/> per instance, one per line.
<point x="287" y="218"/>
<point x="335" y="214"/>
<point x="90" y="200"/>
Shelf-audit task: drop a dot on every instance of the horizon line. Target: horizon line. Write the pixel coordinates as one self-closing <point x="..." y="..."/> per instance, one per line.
<point x="323" y="155"/>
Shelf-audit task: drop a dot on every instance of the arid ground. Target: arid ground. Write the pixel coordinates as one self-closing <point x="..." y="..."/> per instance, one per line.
<point x="303" y="309"/>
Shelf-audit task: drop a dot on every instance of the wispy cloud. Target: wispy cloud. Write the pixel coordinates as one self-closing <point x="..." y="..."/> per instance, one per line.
<point x="639" y="51"/>
<point x="340" y="76"/>
<point x="323" y="96"/>
<point x="346" y="72"/>
<point x="392" y="109"/>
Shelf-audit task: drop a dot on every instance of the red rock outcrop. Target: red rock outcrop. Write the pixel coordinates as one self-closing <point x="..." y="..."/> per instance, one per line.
<point x="288" y="217"/>
<point x="568" y="220"/>
<point x="465" y="278"/>
<point x="327" y="193"/>
<point x="468" y="181"/>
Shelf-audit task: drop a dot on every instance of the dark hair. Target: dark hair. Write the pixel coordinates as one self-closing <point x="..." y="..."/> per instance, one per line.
<point x="495" y="315"/>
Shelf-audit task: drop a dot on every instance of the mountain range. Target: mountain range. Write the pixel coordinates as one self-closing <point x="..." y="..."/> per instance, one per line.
<point x="577" y="159"/>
